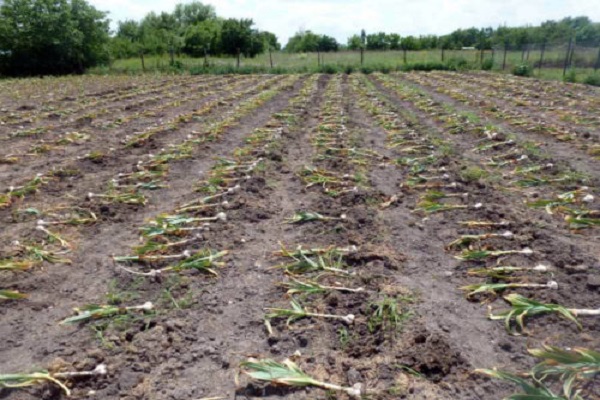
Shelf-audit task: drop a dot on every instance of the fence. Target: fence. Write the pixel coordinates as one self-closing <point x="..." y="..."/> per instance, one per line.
<point x="558" y="56"/>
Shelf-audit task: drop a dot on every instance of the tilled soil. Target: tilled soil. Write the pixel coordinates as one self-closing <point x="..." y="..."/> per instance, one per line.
<point x="389" y="251"/>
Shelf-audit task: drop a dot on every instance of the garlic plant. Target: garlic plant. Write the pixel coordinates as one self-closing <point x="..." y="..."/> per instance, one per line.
<point x="480" y="288"/>
<point x="506" y="272"/>
<point x="94" y="312"/>
<point x="205" y="261"/>
<point x="308" y="216"/>
<point x="17" y="381"/>
<point x="289" y="374"/>
<point x="575" y="368"/>
<point x="466" y="240"/>
<point x="298" y="312"/>
<point x="477" y="255"/>
<point x="11" y="295"/>
<point x="523" y="307"/>
<point x="296" y="286"/>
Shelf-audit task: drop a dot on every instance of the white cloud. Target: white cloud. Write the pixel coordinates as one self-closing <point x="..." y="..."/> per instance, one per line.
<point x="342" y="18"/>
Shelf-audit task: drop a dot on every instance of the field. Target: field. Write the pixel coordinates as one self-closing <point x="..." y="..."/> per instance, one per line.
<point x="552" y="69"/>
<point x="374" y="229"/>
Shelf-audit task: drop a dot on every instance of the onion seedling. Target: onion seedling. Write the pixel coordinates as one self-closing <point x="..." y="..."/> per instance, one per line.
<point x="298" y="312"/>
<point x="577" y="223"/>
<point x="328" y="262"/>
<point x="533" y="391"/>
<point x="11" y="295"/>
<point x="40" y="377"/>
<point x="314" y="251"/>
<point x="94" y="312"/>
<point x="125" y="198"/>
<point x="208" y="199"/>
<point x="476" y="255"/>
<point x="523" y="307"/>
<point x="571" y="365"/>
<point x="484" y="224"/>
<point x="309" y="216"/>
<point x="498" y="287"/>
<point x="503" y="273"/>
<point x="289" y="374"/>
<point x="53" y="236"/>
<point x="466" y="240"/>
<point x="297" y="286"/>
<point x="431" y="207"/>
<point x="204" y="260"/>
<point x="11" y="265"/>
<point x="41" y="254"/>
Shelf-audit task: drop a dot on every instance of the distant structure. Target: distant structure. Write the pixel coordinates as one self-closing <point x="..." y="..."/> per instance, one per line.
<point x="468" y="48"/>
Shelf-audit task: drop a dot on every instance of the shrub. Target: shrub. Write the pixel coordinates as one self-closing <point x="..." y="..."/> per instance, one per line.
<point x="570" y="76"/>
<point x="593" y="80"/>
<point x="487" y="65"/>
<point x="523" y="70"/>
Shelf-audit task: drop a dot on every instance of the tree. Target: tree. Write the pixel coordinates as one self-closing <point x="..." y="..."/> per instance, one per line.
<point x="39" y="37"/>
<point x="354" y="42"/>
<point x="193" y="13"/>
<point x="205" y="36"/>
<point x="238" y="37"/>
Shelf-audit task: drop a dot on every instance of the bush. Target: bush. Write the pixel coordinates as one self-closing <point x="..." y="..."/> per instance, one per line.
<point x="523" y="70"/>
<point x="593" y="80"/>
<point x="570" y="76"/>
<point x="487" y="65"/>
<point x="348" y="69"/>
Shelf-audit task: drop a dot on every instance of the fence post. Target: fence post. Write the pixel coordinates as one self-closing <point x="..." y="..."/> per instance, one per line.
<point x="362" y="55"/>
<point x="542" y="56"/>
<point x="271" y="57"/>
<point x="597" y="65"/>
<point x="318" y="58"/>
<point x="205" y="58"/>
<point x="143" y="62"/>
<point x="238" y="58"/>
<point x="493" y="57"/>
<point x="567" y="56"/>
<point x="504" y="59"/>
<point x="528" y="50"/>
<point x="404" y="50"/>
<point x="571" y="62"/>
<point x="442" y="54"/>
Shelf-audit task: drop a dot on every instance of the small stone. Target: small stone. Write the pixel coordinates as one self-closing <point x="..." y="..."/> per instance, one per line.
<point x="593" y="281"/>
<point x="574" y="269"/>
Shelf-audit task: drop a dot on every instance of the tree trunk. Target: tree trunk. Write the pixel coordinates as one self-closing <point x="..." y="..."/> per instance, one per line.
<point x="271" y="58"/>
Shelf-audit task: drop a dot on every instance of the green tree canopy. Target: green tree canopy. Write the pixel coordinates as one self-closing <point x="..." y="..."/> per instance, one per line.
<point x="40" y="37"/>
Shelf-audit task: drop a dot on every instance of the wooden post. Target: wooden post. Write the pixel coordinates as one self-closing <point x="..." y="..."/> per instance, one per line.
<point x="271" y="57"/>
<point x="362" y="55"/>
<point x="504" y="60"/>
<point x="404" y="50"/>
<point x="172" y="55"/>
<point x="542" y="56"/>
<point x="597" y="65"/>
<point x="481" y="53"/>
<point x="238" y="58"/>
<point x="567" y="56"/>
<point x="443" y="53"/>
<point x="205" y="57"/>
<point x="528" y="51"/>
<point x="318" y="58"/>
<point x="572" y="56"/>
<point x="493" y="57"/>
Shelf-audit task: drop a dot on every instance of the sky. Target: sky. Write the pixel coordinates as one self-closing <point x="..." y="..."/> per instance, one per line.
<point x="343" y="18"/>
